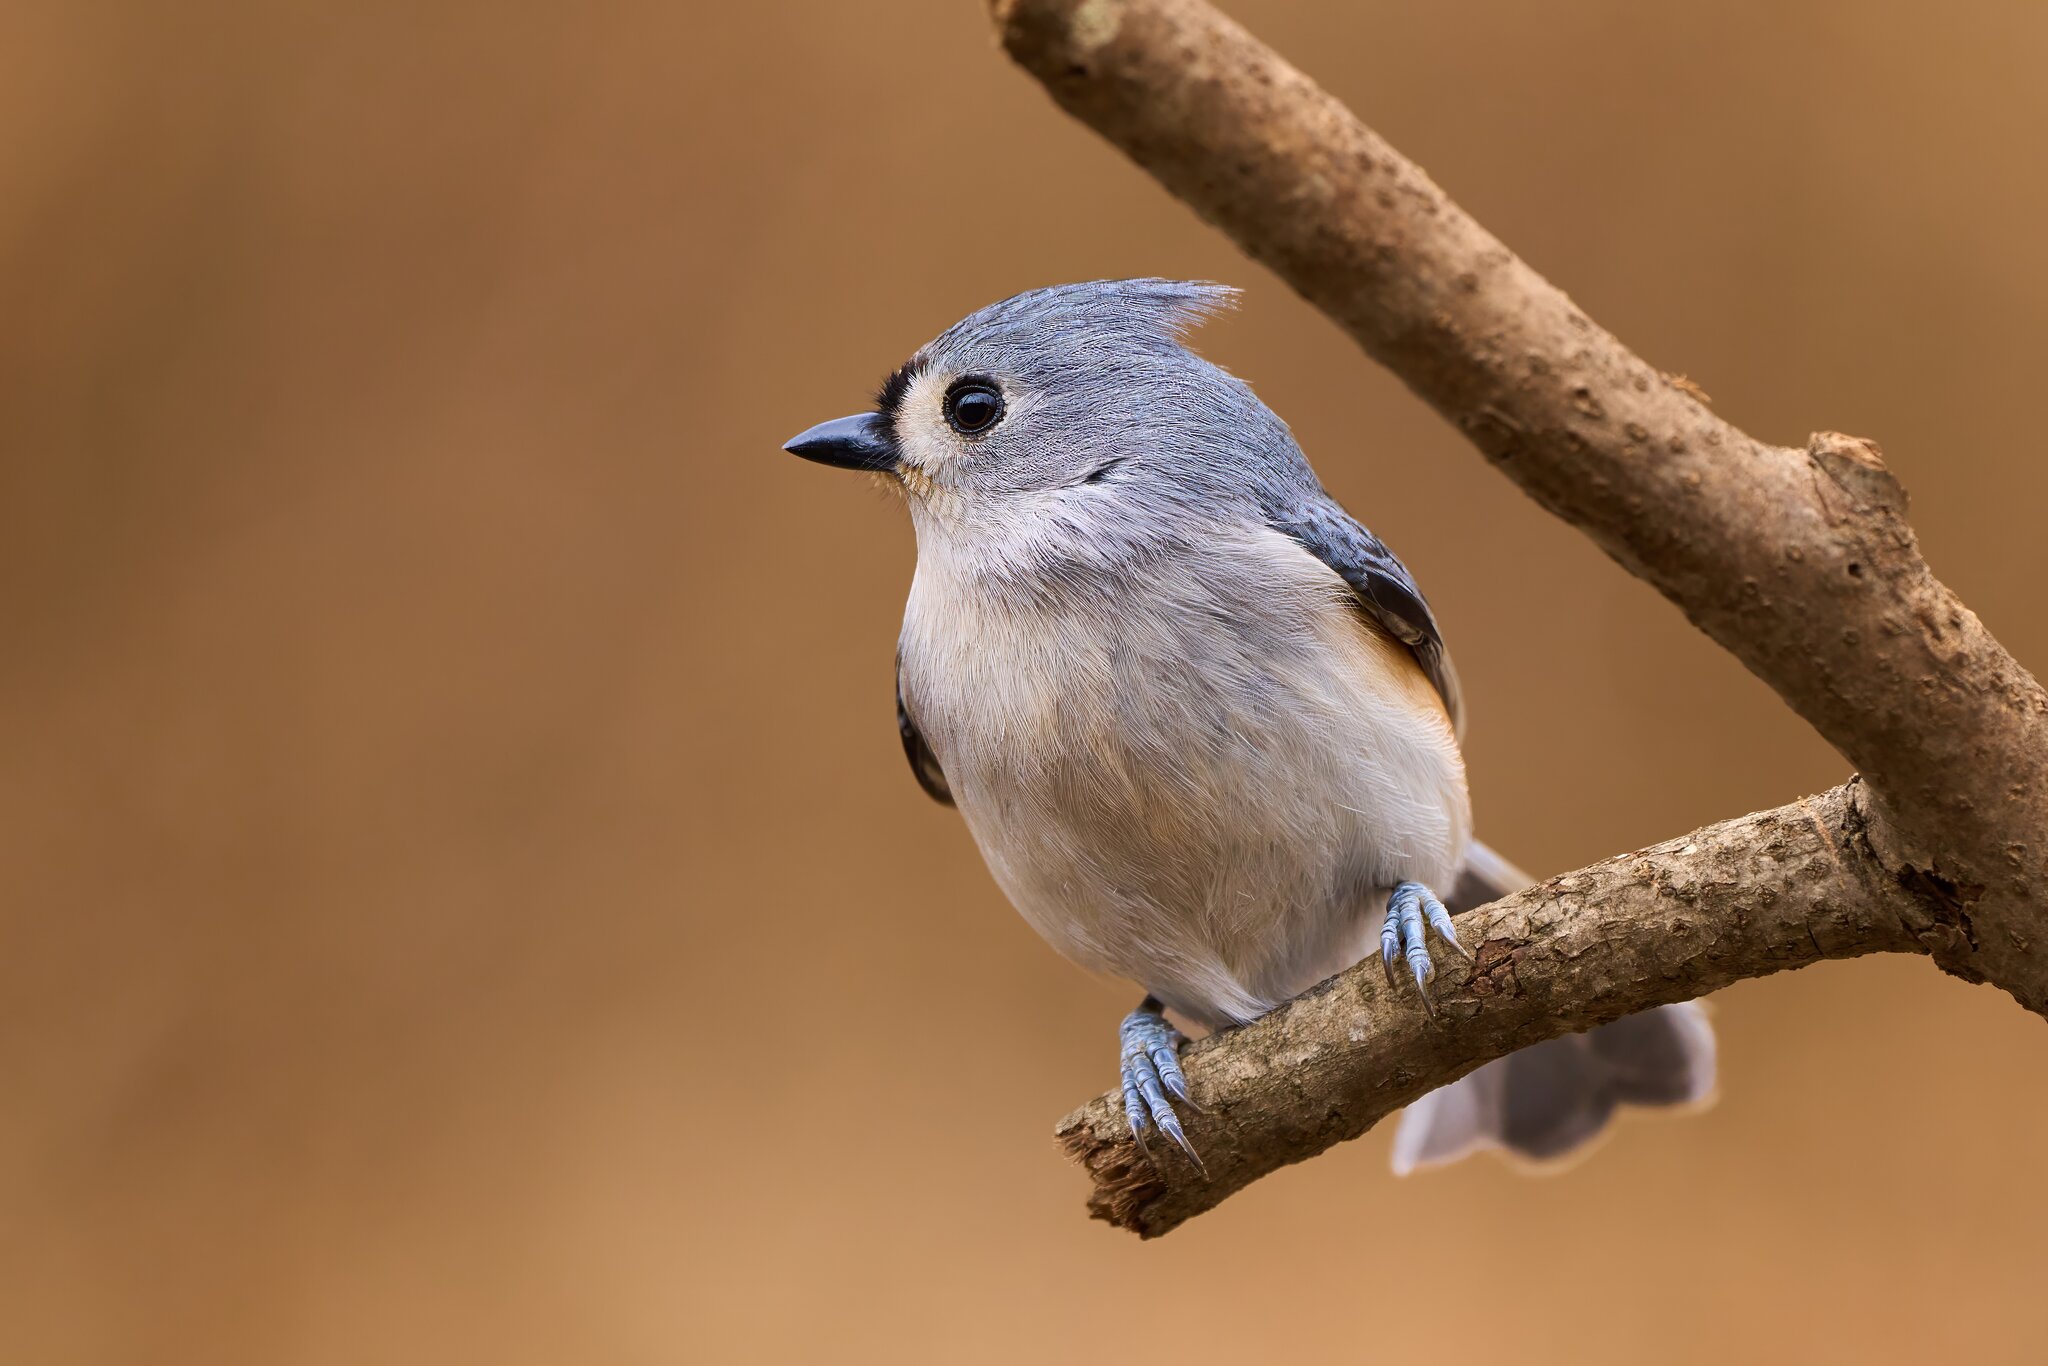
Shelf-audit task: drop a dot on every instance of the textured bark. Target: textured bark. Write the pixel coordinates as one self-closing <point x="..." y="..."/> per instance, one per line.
<point x="1775" y="890"/>
<point x="1799" y="561"/>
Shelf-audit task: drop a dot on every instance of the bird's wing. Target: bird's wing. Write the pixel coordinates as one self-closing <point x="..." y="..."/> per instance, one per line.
<point x="924" y="765"/>
<point x="1386" y="590"/>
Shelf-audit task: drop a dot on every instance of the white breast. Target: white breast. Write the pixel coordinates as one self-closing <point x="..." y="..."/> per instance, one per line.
<point x="1204" y="775"/>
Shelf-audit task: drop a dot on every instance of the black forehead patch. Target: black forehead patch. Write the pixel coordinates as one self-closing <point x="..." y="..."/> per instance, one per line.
<point x="890" y="396"/>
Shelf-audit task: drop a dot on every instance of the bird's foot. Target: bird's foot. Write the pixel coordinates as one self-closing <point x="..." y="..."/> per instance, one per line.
<point x="1403" y="935"/>
<point x="1151" y="1068"/>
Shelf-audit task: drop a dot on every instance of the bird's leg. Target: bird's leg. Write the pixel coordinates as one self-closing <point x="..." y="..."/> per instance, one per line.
<point x="1151" y="1068"/>
<point x="1409" y="905"/>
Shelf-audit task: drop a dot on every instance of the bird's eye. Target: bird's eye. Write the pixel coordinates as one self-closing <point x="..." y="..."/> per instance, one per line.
<point x="973" y="406"/>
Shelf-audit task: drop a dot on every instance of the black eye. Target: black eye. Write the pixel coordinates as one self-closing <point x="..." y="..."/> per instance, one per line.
<point x="973" y="406"/>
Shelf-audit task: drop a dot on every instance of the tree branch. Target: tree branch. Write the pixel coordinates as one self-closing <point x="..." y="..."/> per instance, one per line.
<point x="1800" y="562"/>
<point x="1760" y="894"/>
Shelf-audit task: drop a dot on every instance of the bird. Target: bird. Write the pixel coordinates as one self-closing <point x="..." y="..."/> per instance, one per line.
<point x="1200" y="722"/>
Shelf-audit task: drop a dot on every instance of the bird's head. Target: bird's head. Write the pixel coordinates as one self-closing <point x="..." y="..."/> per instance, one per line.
<point x="1023" y="405"/>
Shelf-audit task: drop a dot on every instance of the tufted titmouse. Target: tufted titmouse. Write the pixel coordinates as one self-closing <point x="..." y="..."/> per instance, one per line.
<point x="1199" y="720"/>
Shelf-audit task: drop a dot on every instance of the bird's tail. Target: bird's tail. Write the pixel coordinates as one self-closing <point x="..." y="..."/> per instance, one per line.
<point x="1546" y="1102"/>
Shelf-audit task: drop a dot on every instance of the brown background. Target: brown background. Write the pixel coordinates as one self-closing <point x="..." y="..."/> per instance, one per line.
<point x="463" y="899"/>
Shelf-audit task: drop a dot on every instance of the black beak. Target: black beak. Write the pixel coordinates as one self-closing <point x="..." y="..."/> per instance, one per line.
<point x="861" y="442"/>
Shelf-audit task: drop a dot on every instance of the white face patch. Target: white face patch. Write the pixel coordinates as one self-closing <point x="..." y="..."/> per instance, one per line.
<point x="924" y="442"/>
<point x="931" y="455"/>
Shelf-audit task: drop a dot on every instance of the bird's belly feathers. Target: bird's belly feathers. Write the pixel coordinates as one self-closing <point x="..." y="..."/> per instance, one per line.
<point x="1205" y="782"/>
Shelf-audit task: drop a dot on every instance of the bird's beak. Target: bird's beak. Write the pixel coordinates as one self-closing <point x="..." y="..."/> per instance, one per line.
<point x="860" y="442"/>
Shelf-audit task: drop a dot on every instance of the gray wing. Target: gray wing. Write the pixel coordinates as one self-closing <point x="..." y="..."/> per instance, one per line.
<point x="1386" y="590"/>
<point x="924" y="765"/>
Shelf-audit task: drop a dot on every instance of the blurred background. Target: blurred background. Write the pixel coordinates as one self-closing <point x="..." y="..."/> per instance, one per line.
<point x="463" y="898"/>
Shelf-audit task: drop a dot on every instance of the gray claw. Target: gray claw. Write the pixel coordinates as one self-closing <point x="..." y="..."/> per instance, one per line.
<point x="1408" y="908"/>
<point x="1440" y="921"/>
<point x="1151" y="1068"/>
<point x="1171" y="1125"/>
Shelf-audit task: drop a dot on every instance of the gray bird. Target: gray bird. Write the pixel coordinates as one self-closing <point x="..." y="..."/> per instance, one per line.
<point x="1200" y="721"/>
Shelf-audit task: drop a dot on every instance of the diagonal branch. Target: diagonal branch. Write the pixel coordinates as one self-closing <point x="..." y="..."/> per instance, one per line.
<point x="1760" y="894"/>
<point x="1799" y="561"/>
